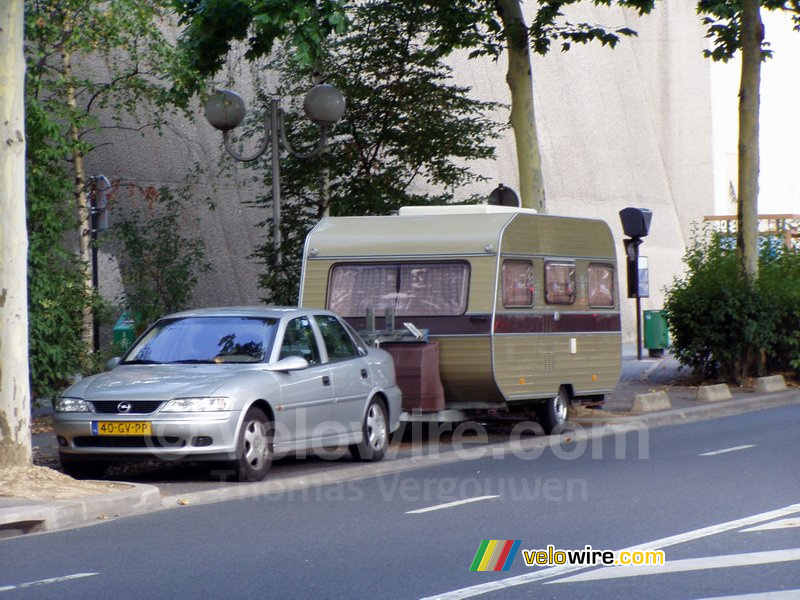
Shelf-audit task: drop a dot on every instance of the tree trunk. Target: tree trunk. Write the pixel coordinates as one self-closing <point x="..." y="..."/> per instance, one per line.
<point x="84" y="234"/>
<point x="749" y="90"/>
<point x="523" y="119"/>
<point x="15" y="409"/>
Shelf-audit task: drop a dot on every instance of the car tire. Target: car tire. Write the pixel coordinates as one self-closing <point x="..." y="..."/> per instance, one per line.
<point x="375" y="430"/>
<point x="254" y="447"/>
<point x="553" y="412"/>
<point x="83" y="469"/>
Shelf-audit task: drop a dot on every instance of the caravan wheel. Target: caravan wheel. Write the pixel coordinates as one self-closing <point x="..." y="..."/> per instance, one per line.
<point x="553" y="412"/>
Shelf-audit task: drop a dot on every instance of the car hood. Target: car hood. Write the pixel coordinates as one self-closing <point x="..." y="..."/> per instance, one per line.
<point x="156" y="382"/>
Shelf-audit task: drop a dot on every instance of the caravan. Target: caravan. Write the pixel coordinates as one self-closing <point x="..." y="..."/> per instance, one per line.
<point x="523" y="308"/>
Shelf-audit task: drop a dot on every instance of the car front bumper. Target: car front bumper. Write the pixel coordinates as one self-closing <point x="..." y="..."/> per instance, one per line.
<point x="178" y="436"/>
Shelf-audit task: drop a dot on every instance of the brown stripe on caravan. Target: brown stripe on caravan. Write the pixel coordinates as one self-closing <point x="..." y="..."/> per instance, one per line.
<point x="480" y="324"/>
<point x="548" y="323"/>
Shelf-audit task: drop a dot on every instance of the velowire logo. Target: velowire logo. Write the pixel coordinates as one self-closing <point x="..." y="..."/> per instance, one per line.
<point x="495" y="555"/>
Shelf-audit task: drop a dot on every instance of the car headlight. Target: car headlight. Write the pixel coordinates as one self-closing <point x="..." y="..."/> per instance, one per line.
<point x="70" y="405"/>
<point x="212" y="404"/>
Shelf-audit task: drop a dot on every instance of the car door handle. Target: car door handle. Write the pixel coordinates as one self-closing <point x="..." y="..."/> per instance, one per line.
<point x="364" y="374"/>
<point x="326" y="380"/>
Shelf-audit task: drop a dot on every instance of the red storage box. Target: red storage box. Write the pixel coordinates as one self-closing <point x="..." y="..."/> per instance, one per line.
<point x="417" y="368"/>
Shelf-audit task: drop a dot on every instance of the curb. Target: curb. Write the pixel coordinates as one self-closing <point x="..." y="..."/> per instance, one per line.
<point x="721" y="408"/>
<point x="29" y="516"/>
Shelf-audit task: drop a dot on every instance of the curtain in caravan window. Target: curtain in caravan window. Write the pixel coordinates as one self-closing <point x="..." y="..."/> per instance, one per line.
<point x="417" y="289"/>
<point x="354" y="288"/>
<point x="518" y="284"/>
<point x="436" y="289"/>
<point x="601" y="285"/>
<point x="559" y="283"/>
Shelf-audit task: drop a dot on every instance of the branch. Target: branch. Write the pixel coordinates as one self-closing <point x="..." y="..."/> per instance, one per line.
<point x="110" y="85"/>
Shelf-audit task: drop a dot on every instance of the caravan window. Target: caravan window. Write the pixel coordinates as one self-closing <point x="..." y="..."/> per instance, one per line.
<point x="518" y="284"/>
<point x="601" y="285"/>
<point x="412" y="289"/>
<point x="559" y="282"/>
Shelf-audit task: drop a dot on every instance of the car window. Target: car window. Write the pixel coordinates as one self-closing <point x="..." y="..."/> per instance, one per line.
<point x="337" y="341"/>
<point x="205" y="340"/>
<point x="299" y="340"/>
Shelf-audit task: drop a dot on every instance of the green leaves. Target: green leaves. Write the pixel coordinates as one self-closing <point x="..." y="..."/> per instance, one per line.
<point x="723" y="19"/>
<point x="212" y="25"/>
<point x="549" y="25"/>
<point x="722" y="326"/>
<point x="160" y="265"/>
<point x="407" y="127"/>
<point x="129" y="86"/>
<point x="56" y="296"/>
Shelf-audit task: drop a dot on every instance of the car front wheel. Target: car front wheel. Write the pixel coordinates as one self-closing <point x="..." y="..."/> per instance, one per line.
<point x="254" y="447"/>
<point x="376" y="434"/>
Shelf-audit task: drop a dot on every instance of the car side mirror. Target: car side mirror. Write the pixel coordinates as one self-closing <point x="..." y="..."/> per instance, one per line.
<point x="112" y="362"/>
<point x="290" y="363"/>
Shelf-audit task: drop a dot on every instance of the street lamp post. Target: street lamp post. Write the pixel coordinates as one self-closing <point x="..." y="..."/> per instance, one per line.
<point x="323" y="104"/>
<point x="99" y="187"/>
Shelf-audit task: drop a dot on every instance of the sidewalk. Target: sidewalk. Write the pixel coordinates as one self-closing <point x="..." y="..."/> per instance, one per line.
<point x="643" y="389"/>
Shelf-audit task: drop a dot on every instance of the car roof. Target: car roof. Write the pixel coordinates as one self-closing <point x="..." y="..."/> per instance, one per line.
<point x="275" y="312"/>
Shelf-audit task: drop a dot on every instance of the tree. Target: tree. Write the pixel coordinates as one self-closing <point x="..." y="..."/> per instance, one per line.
<point x="91" y="66"/>
<point x="735" y="25"/>
<point x="488" y="27"/>
<point x="406" y="123"/>
<point x="15" y="440"/>
<point x="57" y="295"/>
<point x="159" y="265"/>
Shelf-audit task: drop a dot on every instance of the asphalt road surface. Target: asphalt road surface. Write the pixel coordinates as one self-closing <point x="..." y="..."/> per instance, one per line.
<point x="720" y="498"/>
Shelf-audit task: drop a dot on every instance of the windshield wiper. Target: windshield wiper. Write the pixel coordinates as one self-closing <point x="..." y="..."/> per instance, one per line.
<point x="193" y="361"/>
<point x="141" y="361"/>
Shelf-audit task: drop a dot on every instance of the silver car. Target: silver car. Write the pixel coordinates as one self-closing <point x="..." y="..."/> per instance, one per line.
<point x="239" y="385"/>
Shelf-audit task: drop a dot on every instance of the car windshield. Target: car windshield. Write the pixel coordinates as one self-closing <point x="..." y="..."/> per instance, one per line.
<point x="205" y="340"/>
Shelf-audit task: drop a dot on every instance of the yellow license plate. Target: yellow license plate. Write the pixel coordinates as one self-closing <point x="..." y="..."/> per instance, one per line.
<point x="121" y="428"/>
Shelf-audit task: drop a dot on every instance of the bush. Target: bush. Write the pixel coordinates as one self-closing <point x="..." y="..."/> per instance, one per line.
<point x="160" y="265"/>
<point x="721" y="326"/>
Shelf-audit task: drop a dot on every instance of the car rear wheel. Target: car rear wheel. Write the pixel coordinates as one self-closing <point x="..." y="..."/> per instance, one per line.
<point x="83" y="469"/>
<point x="376" y="434"/>
<point x="254" y="448"/>
<point x="553" y="412"/>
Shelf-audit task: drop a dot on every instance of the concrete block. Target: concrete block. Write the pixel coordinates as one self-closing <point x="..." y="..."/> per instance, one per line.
<point x="651" y="402"/>
<point x="773" y="383"/>
<point x="713" y="393"/>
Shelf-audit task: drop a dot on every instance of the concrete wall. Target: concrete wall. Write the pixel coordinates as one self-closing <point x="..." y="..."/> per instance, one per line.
<point x="623" y="127"/>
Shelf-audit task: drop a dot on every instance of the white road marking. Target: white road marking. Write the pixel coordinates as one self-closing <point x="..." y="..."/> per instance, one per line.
<point x="449" y="505"/>
<point x="501" y="584"/>
<point x="46" y="581"/>
<point x="782" y="524"/>
<point x="688" y="564"/>
<point x="726" y="450"/>
<point x="782" y="595"/>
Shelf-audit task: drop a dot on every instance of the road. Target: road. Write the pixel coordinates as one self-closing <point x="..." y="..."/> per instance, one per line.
<point x="720" y="497"/>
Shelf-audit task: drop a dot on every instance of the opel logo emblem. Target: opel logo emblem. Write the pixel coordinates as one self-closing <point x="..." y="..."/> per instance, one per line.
<point x="124" y="407"/>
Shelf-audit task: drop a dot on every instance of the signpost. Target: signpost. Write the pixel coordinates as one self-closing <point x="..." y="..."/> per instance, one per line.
<point x="636" y="224"/>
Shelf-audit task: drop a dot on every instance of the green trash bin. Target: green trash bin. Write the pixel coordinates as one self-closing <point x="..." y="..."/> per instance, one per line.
<point x="124" y="332"/>
<point x="656" y="332"/>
